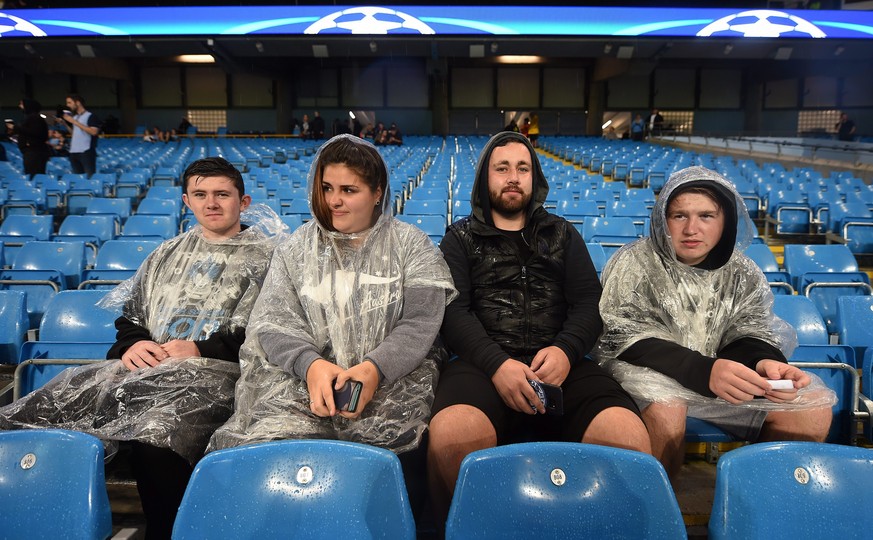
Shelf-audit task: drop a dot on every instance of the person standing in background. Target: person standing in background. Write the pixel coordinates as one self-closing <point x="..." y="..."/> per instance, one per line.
<point x="33" y="138"/>
<point x="83" y="144"/>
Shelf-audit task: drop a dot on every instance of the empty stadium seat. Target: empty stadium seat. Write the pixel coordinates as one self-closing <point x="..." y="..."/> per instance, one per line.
<point x="798" y="490"/>
<point x="150" y="227"/>
<point x="93" y="230"/>
<point x="297" y="489"/>
<point x="41" y="270"/>
<point x="558" y="490"/>
<point x="802" y="314"/>
<point x="13" y="325"/>
<point x="117" y="260"/>
<point x="598" y="256"/>
<point x="762" y="255"/>
<point x="433" y="225"/>
<point x="16" y="230"/>
<point x="53" y="485"/>
<point x="609" y="232"/>
<point x="824" y="273"/>
<point x="855" y="314"/>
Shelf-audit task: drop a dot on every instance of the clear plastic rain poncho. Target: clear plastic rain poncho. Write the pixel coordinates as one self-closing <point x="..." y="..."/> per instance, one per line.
<point x="648" y="293"/>
<point x="189" y="288"/>
<point x="343" y="295"/>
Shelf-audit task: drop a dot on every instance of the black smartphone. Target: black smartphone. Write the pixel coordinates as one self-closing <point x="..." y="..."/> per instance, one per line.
<point x="552" y="397"/>
<point x="346" y="398"/>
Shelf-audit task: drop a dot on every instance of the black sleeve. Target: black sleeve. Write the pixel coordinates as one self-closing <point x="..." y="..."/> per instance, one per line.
<point x="690" y="368"/>
<point x="222" y="345"/>
<point x="749" y="351"/>
<point x="462" y="331"/>
<point x="582" y="291"/>
<point x="127" y="333"/>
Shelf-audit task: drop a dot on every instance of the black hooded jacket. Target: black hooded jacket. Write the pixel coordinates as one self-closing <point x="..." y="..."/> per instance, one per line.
<point x="33" y="131"/>
<point x="511" y="304"/>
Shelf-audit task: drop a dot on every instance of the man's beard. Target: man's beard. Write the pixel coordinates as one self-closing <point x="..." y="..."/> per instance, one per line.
<point x="508" y="207"/>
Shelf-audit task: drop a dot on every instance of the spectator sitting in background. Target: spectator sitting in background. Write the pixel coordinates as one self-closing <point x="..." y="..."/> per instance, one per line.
<point x="845" y="128"/>
<point x="394" y="136"/>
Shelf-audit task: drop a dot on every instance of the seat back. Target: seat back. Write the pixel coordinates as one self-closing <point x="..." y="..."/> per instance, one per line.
<point x="856" y="322"/>
<point x="38" y="227"/>
<point x="124" y="254"/>
<point x="769" y="490"/>
<point x="119" y="207"/>
<point x="99" y="227"/>
<point x="554" y="490"/>
<point x="73" y="316"/>
<point x="801" y="259"/>
<point x="598" y="256"/>
<point x="68" y="258"/>
<point x="13" y="325"/>
<point x="297" y="489"/>
<point x="801" y="313"/>
<point x="54" y="485"/>
<point x="151" y="227"/>
<point x="763" y="256"/>
<point x="433" y="225"/>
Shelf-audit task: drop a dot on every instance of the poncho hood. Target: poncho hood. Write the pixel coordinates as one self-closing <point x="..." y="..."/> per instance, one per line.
<point x="738" y="227"/>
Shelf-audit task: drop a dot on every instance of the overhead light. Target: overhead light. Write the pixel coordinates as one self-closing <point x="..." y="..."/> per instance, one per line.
<point x="606" y="125"/>
<point x="373" y="47"/>
<point x="29" y="48"/>
<point x="625" y="51"/>
<point x="494" y="48"/>
<point x="783" y="53"/>
<point x="519" y="59"/>
<point x="727" y="49"/>
<point x="319" y="51"/>
<point x="477" y="51"/>
<point x="607" y="48"/>
<point x="351" y="115"/>
<point x="210" y="42"/>
<point x="140" y="47"/>
<point x="839" y="50"/>
<point x="86" y="51"/>
<point x="195" y="59"/>
<point x="259" y="46"/>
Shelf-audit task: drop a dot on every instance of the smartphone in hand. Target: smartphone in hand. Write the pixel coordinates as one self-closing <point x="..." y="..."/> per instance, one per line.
<point x="552" y="397"/>
<point x="346" y="398"/>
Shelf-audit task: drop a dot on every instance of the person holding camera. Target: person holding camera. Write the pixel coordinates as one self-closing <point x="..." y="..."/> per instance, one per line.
<point x="354" y="296"/>
<point x="83" y="143"/>
<point x="526" y="311"/>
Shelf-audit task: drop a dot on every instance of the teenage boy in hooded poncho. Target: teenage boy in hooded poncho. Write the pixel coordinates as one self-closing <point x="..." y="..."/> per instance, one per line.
<point x="689" y="328"/>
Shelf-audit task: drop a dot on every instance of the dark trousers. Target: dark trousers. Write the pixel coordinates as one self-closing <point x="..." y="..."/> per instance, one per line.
<point x="34" y="162"/>
<point x="161" y="478"/>
<point x="84" y="162"/>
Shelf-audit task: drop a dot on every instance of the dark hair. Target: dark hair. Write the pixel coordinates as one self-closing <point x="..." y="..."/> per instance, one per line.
<point x="358" y="156"/>
<point x="77" y="97"/>
<point x="697" y="190"/>
<point x="213" y="166"/>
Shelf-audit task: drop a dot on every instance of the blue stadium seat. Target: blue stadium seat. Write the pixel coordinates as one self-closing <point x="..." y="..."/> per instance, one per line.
<point x="292" y="221"/>
<point x="16" y="230"/>
<point x="420" y="207"/>
<point x="563" y="490"/>
<point x="824" y="273"/>
<point x="118" y="208"/>
<point x="855" y="314"/>
<point x="433" y="225"/>
<point x="150" y="227"/>
<point x="798" y="490"/>
<point x="54" y="485"/>
<point x="762" y="255"/>
<point x="297" y="489"/>
<point x="41" y="270"/>
<point x="598" y="256"/>
<point x="609" y="232"/>
<point x="13" y="325"/>
<point x="93" y="230"/>
<point x="117" y="260"/>
<point x="297" y="206"/>
<point x="803" y="315"/>
<point x="160" y="207"/>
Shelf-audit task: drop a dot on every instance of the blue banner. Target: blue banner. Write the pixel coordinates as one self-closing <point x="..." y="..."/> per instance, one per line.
<point x="435" y="20"/>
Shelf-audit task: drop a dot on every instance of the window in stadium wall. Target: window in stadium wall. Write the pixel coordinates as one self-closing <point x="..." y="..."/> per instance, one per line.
<point x="208" y="120"/>
<point x="811" y="123"/>
<point x="678" y="122"/>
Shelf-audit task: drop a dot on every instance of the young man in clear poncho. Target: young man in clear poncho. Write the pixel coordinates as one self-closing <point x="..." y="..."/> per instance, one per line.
<point x="184" y="315"/>
<point x="689" y="329"/>
<point x="354" y="294"/>
<point x="526" y="311"/>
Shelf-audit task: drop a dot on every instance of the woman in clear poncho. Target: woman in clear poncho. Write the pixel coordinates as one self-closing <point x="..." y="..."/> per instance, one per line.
<point x="689" y="328"/>
<point x="354" y="294"/>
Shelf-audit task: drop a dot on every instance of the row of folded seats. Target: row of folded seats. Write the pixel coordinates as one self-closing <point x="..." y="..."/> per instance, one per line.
<point x="552" y="490"/>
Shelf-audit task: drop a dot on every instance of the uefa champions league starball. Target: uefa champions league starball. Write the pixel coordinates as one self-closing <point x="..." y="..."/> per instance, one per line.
<point x="762" y="23"/>
<point x="368" y="20"/>
<point x="12" y="26"/>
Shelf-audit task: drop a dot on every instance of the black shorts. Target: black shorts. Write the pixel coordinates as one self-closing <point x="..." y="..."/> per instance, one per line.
<point x="588" y="390"/>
